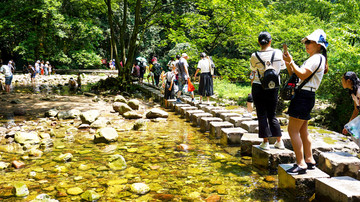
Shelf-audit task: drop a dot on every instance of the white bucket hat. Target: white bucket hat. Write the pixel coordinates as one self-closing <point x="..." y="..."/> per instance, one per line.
<point x="318" y="36"/>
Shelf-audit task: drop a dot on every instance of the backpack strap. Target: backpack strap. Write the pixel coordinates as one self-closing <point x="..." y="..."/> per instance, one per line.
<point x="262" y="62"/>
<point x="308" y="79"/>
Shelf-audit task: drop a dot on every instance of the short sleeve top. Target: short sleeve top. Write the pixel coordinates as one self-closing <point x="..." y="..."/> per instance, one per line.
<point x="256" y="65"/>
<point x="5" y="69"/>
<point x="204" y="65"/>
<point x="312" y="64"/>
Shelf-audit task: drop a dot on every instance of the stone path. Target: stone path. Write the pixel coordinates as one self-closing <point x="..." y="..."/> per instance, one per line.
<point x="335" y="154"/>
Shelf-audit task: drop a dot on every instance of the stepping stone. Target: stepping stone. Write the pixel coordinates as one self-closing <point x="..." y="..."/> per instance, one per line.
<point x="197" y="117"/>
<point x="171" y="103"/>
<point x="184" y="109"/>
<point x="251" y="126"/>
<point x="189" y="113"/>
<point x="227" y="116"/>
<point x="205" y="123"/>
<point x="300" y="185"/>
<point x="231" y="136"/>
<point x="211" y="108"/>
<point x="236" y="120"/>
<point x="250" y="139"/>
<point x="270" y="159"/>
<point x="178" y="106"/>
<point x="215" y="128"/>
<point x="337" y="189"/>
<point x="217" y="112"/>
<point x="339" y="164"/>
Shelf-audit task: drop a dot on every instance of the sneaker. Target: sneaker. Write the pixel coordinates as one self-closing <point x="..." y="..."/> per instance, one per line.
<point x="193" y="100"/>
<point x="279" y="145"/>
<point x="311" y="166"/>
<point x="265" y="146"/>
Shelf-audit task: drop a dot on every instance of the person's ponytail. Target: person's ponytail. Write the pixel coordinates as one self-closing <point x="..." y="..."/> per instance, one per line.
<point x="324" y="53"/>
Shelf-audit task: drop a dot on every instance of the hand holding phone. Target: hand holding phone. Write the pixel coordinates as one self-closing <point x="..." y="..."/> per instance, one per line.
<point x="285" y="49"/>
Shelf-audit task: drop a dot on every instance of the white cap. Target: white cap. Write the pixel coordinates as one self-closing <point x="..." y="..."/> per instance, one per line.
<point x="318" y="36"/>
<point x="184" y="55"/>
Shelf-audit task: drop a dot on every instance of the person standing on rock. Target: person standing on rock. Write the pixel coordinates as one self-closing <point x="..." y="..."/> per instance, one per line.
<point x="169" y="80"/>
<point x="206" y="81"/>
<point x="265" y="100"/>
<point x="6" y="70"/>
<point x="304" y="100"/>
<point x="157" y="71"/>
<point x="352" y="82"/>
<point x="183" y="75"/>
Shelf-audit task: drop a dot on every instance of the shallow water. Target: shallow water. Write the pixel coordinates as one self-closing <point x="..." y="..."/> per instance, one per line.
<point x="152" y="157"/>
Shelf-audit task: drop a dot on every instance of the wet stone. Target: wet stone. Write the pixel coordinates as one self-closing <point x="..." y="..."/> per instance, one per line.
<point x="270" y="159"/>
<point x="339" y="164"/>
<point x="189" y="113"/>
<point x="231" y="136"/>
<point x="237" y="120"/>
<point x="205" y="123"/>
<point x="250" y="126"/>
<point x="178" y="106"/>
<point x="337" y="189"/>
<point x="197" y="117"/>
<point x="217" y="112"/>
<point x="184" y="109"/>
<point x="20" y="189"/>
<point x="215" y="128"/>
<point x="227" y="116"/>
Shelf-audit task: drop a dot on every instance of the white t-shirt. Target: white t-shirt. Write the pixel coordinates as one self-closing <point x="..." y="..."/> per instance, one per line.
<point x="169" y="76"/>
<point x="256" y="65"/>
<point x="5" y="69"/>
<point x="204" y="65"/>
<point x="312" y="64"/>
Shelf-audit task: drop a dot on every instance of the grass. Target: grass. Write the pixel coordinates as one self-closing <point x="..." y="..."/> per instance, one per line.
<point x="227" y="90"/>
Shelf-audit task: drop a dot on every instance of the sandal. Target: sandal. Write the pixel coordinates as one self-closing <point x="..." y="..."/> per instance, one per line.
<point x="296" y="170"/>
<point x="311" y="166"/>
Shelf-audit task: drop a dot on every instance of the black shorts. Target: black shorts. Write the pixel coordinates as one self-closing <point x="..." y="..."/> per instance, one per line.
<point x="168" y="94"/>
<point x="302" y="104"/>
<point x="250" y="98"/>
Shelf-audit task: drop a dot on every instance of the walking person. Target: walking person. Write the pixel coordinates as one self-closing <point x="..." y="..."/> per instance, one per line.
<point x="183" y="75"/>
<point x="37" y="67"/>
<point x="7" y="71"/>
<point x="32" y="72"/>
<point x="169" y="81"/>
<point x="304" y="99"/>
<point x="158" y="70"/>
<point x="352" y="82"/>
<point x="206" y="81"/>
<point x="265" y="100"/>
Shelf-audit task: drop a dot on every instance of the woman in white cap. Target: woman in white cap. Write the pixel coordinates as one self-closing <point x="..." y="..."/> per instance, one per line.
<point x="304" y="100"/>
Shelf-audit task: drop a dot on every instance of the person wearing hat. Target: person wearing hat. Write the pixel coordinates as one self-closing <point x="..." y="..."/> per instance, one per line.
<point x="304" y="99"/>
<point x="6" y="70"/>
<point x="206" y="81"/>
<point x="265" y="100"/>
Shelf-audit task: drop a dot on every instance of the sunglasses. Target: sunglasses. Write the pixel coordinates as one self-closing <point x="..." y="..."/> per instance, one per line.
<point x="307" y="42"/>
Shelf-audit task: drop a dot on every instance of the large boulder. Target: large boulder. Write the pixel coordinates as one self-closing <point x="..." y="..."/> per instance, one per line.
<point x="156" y="113"/>
<point x="101" y="122"/>
<point x="132" y="115"/>
<point x="105" y="135"/>
<point x="121" y="107"/>
<point x="89" y="116"/>
<point x="73" y="113"/>
<point x="27" y="138"/>
<point x="134" y="104"/>
<point x="119" y="98"/>
<point x="51" y="113"/>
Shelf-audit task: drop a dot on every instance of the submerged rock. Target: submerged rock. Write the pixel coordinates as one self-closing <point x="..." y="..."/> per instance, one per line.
<point x="117" y="162"/>
<point x="64" y="157"/>
<point x="139" y="124"/>
<point x="20" y="189"/>
<point x="156" y="113"/>
<point x="89" y="116"/>
<point x="121" y="107"/>
<point x="132" y="115"/>
<point x="27" y="138"/>
<point x="134" y="104"/>
<point x="43" y="198"/>
<point x="139" y="188"/>
<point x="4" y="165"/>
<point x="74" y="191"/>
<point x="90" y="195"/>
<point x="105" y="135"/>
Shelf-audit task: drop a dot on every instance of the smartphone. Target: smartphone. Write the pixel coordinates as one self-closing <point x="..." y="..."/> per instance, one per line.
<point x="285" y="48"/>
